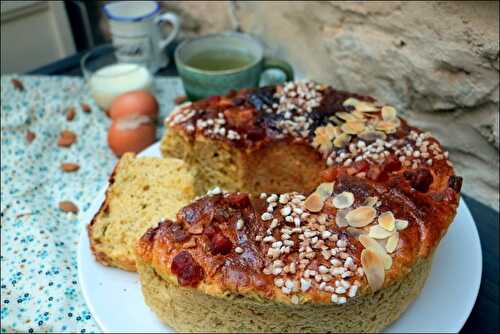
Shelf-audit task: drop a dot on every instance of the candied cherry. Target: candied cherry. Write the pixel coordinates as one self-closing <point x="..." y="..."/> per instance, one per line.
<point x="187" y="270"/>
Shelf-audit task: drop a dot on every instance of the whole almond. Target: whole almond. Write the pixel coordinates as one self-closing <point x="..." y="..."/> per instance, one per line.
<point x="30" y="136"/>
<point x="17" y="84"/>
<point x="85" y="107"/>
<point x="70" y="114"/>
<point x="66" y="138"/>
<point x="69" y="167"/>
<point x="68" y="206"/>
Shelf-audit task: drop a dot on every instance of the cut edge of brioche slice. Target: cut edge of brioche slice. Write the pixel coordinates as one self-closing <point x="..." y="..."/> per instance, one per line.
<point x="141" y="192"/>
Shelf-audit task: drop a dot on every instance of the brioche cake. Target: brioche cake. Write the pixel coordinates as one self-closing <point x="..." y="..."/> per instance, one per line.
<point x="350" y="257"/>
<point x="141" y="192"/>
<point x="335" y="207"/>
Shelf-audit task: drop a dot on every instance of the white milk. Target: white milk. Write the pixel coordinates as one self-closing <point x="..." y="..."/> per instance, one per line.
<point x="111" y="81"/>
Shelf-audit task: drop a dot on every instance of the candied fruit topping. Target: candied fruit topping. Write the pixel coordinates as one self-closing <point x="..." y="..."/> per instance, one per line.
<point x="239" y="200"/>
<point x="420" y="179"/>
<point x="187" y="270"/>
<point x="218" y="242"/>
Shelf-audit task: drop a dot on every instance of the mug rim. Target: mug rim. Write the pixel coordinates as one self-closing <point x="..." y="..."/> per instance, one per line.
<point x="183" y="44"/>
<point x="114" y="17"/>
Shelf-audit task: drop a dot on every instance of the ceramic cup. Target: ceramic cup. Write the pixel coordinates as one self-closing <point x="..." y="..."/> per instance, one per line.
<point x="201" y="82"/>
<point x="135" y="30"/>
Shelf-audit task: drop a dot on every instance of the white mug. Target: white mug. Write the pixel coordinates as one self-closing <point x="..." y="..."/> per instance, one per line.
<point x="135" y="30"/>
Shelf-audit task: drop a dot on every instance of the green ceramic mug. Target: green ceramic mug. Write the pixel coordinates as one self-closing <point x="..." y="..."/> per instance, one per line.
<point x="217" y="63"/>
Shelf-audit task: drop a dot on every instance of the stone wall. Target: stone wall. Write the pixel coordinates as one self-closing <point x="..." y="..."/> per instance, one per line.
<point x="437" y="62"/>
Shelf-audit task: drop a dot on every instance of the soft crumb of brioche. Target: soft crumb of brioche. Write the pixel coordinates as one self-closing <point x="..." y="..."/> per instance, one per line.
<point x="294" y="167"/>
<point x="189" y="310"/>
<point x="142" y="191"/>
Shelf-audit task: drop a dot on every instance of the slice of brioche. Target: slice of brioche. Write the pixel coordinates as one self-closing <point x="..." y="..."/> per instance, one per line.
<point x="141" y="192"/>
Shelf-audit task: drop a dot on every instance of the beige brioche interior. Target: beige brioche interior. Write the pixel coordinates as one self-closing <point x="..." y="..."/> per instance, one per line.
<point x="189" y="310"/>
<point x="294" y="167"/>
<point x="142" y="191"/>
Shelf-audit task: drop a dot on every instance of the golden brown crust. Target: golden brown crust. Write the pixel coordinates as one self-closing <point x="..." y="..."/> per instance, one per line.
<point x="101" y="257"/>
<point x="240" y="267"/>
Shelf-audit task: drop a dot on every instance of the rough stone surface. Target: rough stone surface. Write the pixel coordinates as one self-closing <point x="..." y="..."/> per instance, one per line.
<point x="437" y="62"/>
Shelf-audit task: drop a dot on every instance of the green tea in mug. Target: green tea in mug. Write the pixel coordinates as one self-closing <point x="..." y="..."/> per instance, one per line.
<point x="220" y="60"/>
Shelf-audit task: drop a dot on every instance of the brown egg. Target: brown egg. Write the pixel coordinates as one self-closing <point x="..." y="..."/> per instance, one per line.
<point x="125" y="138"/>
<point x="140" y="103"/>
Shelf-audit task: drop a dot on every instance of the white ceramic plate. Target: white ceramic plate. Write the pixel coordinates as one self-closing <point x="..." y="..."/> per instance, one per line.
<point x="115" y="299"/>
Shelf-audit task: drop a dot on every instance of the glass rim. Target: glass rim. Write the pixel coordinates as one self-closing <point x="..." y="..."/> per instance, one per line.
<point x="100" y="52"/>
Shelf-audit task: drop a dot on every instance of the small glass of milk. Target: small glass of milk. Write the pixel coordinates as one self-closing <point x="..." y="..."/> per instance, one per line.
<point x="107" y="77"/>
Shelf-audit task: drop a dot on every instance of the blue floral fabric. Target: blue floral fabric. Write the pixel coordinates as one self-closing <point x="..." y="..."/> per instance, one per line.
<point x="39" y="286"/>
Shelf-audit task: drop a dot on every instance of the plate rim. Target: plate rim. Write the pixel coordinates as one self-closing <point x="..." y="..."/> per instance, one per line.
<point x="83" y="245"/>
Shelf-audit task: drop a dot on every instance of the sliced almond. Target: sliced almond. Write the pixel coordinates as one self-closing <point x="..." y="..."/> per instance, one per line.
<point x="375" y="246"/>
<point x="340" y="218"/>
<point x="314" y="202"/>
<point x="323" y="138"/>
<point x="68" y="206"/>
<point x="366" y="107"/>
<point x="368" y="242"/>
<point x="371" y="201"/>
<point x="386" y="126"/>
<point x="336" y="120"/>
<point x="353" y="127"/>
<point x="387" y="221"/>
<point x="348" y="117"/>
<point x="373" y="267"/>
<point x="370" y="135"/>
<point x="392" y="242"/>
<point x="361" y="216"/>
<point x="387" y="262"/>
<point x="325" y="189"/>
<point x="342" y="140"/>
<point x="396" y="121"/>
<point x="401" y="224"/>
<point x="388" y="113"/>
<point x="372" y="244"/>
<point x="336" y="131"/>
<point x="358" y="115"/>
<point x="378" y="232"/>
<point x="324" y="145"/>
<point x="350" y="102"/>
<point x="343" y="200"/>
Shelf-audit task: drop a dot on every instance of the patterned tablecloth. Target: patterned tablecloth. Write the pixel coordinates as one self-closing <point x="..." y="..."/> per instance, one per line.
<point x="39" y="286"/>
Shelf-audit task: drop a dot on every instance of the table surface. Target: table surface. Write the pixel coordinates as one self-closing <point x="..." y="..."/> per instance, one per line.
<point x="485" y="315"/>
